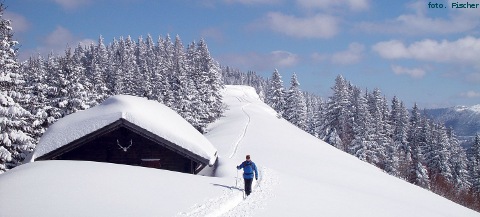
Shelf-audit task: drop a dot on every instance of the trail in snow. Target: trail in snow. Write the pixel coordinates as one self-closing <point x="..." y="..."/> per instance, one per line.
<point x="235" y="146"/>
<point x="232" y="203"/>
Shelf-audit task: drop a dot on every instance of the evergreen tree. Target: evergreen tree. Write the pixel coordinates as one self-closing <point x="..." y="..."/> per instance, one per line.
<point x="361" y="145"/>
<point x="198" y="108"/>
<point x="128" y="66"/>
<point x="458" y="163"/>
<point x="208" y="81"/>
<point x="475" y="165"/>
<point x="320" y="120"/>
<point x="71" y="94"/>
<point x="167" y="70"/>
<point x="295" y="106"/>
<point x="38" y="88"/>
<point x="100" y="70"/>
<point x="338" y="115"/>
<point x="116" y="76"/>
<point x="159" y="81"/>
<point x="439" y="161"/>
<point x="416" y="171"/>
<point x="152" y="61"/>
<point x="15" y="142"/>
<point x="312" y="104"/>
<point x="276" y="93"/>
<point x="376" y="105"/>
<point x="399" y="121"/>
<point x="143" y="71"/>
<point x="181" y="84"/>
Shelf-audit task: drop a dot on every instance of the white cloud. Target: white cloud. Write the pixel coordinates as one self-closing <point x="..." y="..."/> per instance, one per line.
<point x="352" y="55"/>
<point x="318" y="26"/>
<point x="56" y="42"/>
<point x="213" y="33"/>
<point x="318" y="57"/>
<point x="420" y="23"/>
<point x="470" y="94"/>
<point x="354" y="5"/>
<point x="19" y="22"/>
<point x="59" y="37"/>
<point x="72" y="4"/>
<point x="259" y="61"/>
<point x="283" y="58"/>
<point x="414" y="73"/>
<point x="464" y="50"/>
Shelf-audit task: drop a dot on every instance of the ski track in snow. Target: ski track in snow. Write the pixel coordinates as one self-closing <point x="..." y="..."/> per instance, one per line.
<point x="235" y="147"/>
<point x="232" y="202"/>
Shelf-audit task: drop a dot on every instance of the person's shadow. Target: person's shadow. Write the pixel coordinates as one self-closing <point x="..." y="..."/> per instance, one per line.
<point x="229" y="187"/>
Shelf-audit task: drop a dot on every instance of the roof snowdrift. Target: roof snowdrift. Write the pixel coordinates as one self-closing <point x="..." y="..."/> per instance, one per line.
<point x="147" y="114"/>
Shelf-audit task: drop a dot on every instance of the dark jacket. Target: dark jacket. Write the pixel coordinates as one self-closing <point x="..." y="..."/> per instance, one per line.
<point x="249" y="168"/>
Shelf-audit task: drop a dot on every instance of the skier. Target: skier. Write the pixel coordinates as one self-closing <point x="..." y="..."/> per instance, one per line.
<point x="248" y="171"/>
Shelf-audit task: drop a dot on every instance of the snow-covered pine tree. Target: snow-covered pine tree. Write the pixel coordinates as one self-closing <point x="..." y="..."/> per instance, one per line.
<point x="376" y="105"/>
<point x="320" y="121"/>
<point x="72" y="95"/>
<point x="458" y="163"/>
<point x="396" y="150"/>
<point x="166" y="51"/>
<point x="413" y="139"/>
<point x="198" y="108"/>
<point x="362" y="142"/>
<point x="151" y="60"/>
<point x="37" y="87"/>
<point x="100" y="66"/>
<point x="208" y="76"/>
<point x="312" y="103"/>
<point x="437" y="157"/>
<point x="338" y="114"/>
<point x="443" y="151"/>
<point x="183" y="88"/>
<point x="129" y="66"/>
<point x="474" y="160"/>
<point x="295" y="106"/>
<point x="83" y="57"/>
<point x="15" y="142"/>
<point x="412" y="166"/>
<point x="115" y="80"/>
<point x="143" y="71"/>
<point x="161" y="91"/>
<point x="418" y="171"/>
<point x="276" y="93"/>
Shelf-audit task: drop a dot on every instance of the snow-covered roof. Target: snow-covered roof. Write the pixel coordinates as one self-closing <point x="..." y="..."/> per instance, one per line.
<point x="147" y="114"/>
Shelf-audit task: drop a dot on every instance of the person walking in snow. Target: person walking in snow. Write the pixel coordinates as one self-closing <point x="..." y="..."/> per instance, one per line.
<point x="249" y="169"/>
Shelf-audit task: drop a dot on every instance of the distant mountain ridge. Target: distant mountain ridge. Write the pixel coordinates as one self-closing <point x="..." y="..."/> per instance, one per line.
<point x="465" y="120"/>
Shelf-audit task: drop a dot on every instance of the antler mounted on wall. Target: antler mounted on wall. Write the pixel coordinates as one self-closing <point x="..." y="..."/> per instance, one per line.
<point x="125" y="149"/>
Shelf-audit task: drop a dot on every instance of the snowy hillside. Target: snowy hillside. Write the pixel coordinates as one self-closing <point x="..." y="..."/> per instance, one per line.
<point x="299" y="176"/>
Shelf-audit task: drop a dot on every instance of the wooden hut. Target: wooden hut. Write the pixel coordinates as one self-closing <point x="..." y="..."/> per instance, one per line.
<point x="128" y="130"/>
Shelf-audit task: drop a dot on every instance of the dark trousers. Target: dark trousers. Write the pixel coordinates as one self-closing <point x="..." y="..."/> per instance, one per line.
<point x="248" y="186"/>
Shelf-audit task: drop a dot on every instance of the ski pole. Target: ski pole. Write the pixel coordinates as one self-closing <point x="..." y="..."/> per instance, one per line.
<point x="260" y="186"/>
<point x="236" y="180"/>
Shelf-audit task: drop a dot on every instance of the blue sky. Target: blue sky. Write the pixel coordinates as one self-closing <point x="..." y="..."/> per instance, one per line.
<point x="430" y="56"/>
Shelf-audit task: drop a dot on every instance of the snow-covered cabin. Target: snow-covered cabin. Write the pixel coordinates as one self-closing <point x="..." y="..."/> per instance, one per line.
<point x="128" y="130"/>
